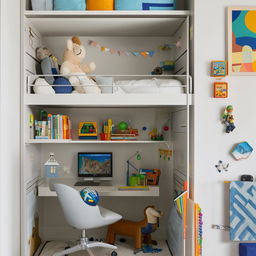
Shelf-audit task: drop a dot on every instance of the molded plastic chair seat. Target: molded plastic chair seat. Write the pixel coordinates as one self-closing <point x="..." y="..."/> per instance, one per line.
<point x="83" y="216"/>
<point x="109" y="216"/>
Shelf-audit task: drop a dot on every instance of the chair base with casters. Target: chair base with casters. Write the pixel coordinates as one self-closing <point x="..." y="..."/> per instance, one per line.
<point x="83" y="216"/>
<point x="86" y="245"/>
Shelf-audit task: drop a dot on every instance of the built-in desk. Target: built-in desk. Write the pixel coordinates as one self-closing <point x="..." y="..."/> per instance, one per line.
<point x="45" y="189"/>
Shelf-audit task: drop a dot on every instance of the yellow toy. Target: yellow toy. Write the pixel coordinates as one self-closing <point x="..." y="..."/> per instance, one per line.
<point x="88" y="130"/>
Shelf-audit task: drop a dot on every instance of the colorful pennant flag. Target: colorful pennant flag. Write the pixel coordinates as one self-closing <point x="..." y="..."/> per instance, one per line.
<point x="121" y="52"/>
<point x="112" y="51"/>
<point x="136" y="53"/>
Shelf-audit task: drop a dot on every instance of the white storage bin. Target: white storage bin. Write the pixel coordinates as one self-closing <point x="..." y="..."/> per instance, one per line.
<point x="42" y="5"/>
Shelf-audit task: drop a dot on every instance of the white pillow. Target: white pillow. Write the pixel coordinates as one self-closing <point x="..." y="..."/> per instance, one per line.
<point x="169" y="85"/>
<point x="42" y="87"/>
<point x="105" y="83"/>
<point x="150" y="86"/>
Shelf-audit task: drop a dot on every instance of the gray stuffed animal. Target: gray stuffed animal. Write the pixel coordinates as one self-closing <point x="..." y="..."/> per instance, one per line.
<point x="49" y="63"/>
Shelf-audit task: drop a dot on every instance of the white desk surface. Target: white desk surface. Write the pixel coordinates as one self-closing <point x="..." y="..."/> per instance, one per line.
<point x="45" y="190"/>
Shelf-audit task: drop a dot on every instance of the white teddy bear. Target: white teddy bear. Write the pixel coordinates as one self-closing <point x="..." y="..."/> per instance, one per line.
<point x="72" y="65"/>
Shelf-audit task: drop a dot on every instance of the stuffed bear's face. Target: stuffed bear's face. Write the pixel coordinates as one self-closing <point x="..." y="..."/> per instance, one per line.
<point x="76" y="51"/>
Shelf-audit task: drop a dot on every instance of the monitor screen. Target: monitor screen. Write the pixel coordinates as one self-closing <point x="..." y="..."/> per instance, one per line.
<point x="94" y="164"/>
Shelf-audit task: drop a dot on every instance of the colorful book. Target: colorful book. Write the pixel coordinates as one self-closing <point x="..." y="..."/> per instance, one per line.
<point x="56" y="127"/>
<point x="41" y="137"/>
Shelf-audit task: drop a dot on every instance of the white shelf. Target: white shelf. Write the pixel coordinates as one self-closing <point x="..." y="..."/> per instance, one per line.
<point x="107" y="23"/>
<point x="44" y="189"/>
<point x="103" y="14"/>
<point x="45" y="141"/>
<point x="108" y="100"/>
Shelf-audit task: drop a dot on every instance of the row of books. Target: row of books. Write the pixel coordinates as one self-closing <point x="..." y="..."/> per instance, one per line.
<point x="123" y="137"/>
<point x="130" y="134"/>
<point x="56" y="127"/>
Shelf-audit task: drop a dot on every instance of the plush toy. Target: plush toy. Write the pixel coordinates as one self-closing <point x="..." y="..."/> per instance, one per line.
<point x="49" y="63"/>
<point x="72" y="65"/>
<point x="49" y="66"/>
<point x="42" y="87"/>
<point x="140" y="231"/>
<point x="157" y="71"/>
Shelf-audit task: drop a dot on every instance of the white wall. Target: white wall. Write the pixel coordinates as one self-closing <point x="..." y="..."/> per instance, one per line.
<point x="118" y="64"/>
<point x="212" y="144"/>
<point x="9" y="128"/>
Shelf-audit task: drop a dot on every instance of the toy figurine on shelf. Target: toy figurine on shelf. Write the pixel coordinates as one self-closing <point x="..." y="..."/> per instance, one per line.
<point x="87" y="130"/>
<point x="228" y="119"/>
<point x="154" y="135"/>
<point x="51" y="167"/>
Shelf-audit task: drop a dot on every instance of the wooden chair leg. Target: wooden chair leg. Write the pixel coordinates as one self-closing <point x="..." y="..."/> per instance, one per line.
<point x="111" y="237"/>
<point x="138" y="240"/>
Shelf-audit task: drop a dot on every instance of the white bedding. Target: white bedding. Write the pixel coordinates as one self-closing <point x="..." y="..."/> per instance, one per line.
<point x="153" y="85"/>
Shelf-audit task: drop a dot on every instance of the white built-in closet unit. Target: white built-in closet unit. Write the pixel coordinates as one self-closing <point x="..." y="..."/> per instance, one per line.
<point x="136" y="30"/>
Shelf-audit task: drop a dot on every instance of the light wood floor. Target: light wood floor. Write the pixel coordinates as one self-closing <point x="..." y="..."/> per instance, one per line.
<point x="124" y="249"/>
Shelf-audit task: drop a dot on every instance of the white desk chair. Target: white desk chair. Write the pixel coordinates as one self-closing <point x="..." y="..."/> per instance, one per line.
<point x="82" y="216"/>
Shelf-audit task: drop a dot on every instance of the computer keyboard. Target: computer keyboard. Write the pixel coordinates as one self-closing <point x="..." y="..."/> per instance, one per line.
<point x="86" y="184"/>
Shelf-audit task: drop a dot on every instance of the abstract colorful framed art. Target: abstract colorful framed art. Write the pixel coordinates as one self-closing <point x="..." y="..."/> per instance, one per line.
<point x="242" y="40"/>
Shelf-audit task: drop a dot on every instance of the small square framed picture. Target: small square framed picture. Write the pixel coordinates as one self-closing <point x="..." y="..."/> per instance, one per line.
<point x="220" y="90"/>
<point x="219" y="68"/>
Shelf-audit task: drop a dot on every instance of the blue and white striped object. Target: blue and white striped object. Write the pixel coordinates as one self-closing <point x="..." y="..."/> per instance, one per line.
<point x="145" y="4"/>
<point x="242" y="211"/>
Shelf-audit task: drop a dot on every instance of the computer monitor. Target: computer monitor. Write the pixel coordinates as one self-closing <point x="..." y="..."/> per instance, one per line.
<point x="95" y="165"/>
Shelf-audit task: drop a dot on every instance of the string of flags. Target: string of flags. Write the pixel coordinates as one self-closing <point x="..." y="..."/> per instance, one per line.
<point x="121" y="52"/>
<point x="165" y="47"/>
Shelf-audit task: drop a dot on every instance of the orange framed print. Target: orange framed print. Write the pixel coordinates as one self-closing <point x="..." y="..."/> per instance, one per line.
<point x="220" y="90"/>
<point x="242" y="40"/>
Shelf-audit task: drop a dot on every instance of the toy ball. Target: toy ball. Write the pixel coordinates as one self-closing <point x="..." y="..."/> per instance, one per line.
<point x="90" y="196"/>
<point x="166" y="128"/>
<point x="122" y="126"/>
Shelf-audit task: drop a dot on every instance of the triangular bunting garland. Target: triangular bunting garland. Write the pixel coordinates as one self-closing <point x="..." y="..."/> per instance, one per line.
<point x="121" y="52"/>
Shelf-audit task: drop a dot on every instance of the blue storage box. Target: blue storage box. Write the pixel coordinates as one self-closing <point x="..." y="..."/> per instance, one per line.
<point x="145" y="5"/>
<point x="247" y="249"/>
<point x="69" y="5"/>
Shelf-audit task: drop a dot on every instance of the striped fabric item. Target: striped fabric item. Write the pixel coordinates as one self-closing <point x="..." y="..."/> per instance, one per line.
<point x="145" y="4"/>
<point x="157" y="6"/>
<point x="242" y="211"/>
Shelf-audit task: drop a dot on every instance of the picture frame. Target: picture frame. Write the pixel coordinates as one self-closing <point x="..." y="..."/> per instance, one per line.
<point x="219" y="68"/>
<point x="242" y="40"/>
<point x="220" y="90"/>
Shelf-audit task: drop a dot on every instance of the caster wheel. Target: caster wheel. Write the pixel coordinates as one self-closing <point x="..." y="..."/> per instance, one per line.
<point x="114" y="253"/>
